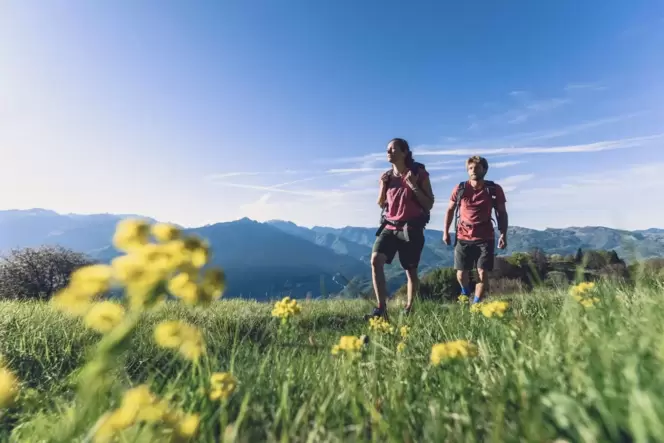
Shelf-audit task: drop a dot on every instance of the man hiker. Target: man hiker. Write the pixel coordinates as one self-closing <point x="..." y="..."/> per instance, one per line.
<point x="475" y="199"/>
<point x="406" y="199"/>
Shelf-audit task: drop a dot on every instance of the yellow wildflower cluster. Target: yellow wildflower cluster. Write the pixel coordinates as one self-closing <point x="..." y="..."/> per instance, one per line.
<point x="8" y="387"/>
<point x="463" y="299"/>
<point x="404" y="331"/>
<point x="140" y="406"/>
<point x="490" y="309"/>
<point x="379" y="324"/>
<point x="452" y="350"/>
<point x="185" y="338"/>
<point x="174" y="262"/>
<point x="401" y="346"/>
<point x="584" y="294"/>
<point x="222" y="385"/>
<point x="286" y="308"/>
<point x="348" y="344"/>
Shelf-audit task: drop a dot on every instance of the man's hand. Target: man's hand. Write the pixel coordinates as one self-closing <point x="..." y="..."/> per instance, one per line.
<point x="411" y="180"/>
<point x="446" y="238"/>
<point x="502" y="242"/>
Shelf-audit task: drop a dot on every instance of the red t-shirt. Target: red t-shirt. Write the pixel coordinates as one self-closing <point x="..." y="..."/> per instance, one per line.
<point x="401" y="203"/>
<point x="475" y="211"/>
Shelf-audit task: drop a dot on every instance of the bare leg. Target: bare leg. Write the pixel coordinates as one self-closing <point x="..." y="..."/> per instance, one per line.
<point x="378" y="276"/>
<point x="482" y="283"/>
<point x="463" y="279"/>
<point x="413" y="286"/>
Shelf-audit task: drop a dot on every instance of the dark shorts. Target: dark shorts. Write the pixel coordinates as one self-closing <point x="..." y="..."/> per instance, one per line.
<point x="474" y="254"/>
<point x="389" y="242"/>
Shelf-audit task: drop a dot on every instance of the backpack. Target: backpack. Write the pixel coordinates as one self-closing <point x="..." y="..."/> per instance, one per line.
<point x="419" y="222"/>
<point x="489" y="187"/>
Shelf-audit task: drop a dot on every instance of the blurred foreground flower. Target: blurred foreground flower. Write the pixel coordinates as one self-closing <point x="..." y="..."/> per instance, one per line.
<point x="185" y="338"/>
<point x="104" y="316"/>
<point x="222" y="385"/>
<point x="452" y="350"/>
<point x="140" y="406"/>
<point x="463" y="299"/>
<point x="349" y="344"/>
<point x="489" y="309"/>
<point x="8" y="387"/>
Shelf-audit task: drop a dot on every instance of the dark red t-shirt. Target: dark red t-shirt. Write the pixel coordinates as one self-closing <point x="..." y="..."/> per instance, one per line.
<point x="475" y="211"/>
<point x="401" y="203"/>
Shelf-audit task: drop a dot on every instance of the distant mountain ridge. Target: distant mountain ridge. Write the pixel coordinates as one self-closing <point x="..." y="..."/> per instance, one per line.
<point x="276" y="258"/>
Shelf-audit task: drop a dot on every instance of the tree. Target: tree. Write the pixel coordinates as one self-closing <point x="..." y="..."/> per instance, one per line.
<point x="38" y="273"/>
<point x="578" y="258"/>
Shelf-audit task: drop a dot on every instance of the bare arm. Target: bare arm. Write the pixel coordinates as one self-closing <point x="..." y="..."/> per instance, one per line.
<point x="501" y="216"/>
<point x="449" y="215"/>
<point x="424" y="194"/>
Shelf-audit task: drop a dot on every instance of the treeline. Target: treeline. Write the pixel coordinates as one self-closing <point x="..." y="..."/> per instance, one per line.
<point x="523" y="271"/>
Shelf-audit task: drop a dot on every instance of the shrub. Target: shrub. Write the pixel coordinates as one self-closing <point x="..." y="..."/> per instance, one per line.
<point x="504" y="286"/>
<point x="439" y="284"/>
<point x="38" y="273"/>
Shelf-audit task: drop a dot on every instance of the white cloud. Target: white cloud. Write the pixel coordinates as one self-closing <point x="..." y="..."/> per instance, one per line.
<point x="594" y="86"/>
<point x="618" y="198"/>
<point x="506" y="164"/>
<point x="440" y="178"/>
<point x="353" y="170"/>
<point x="589" y="147"/>
<point x="511" y="182"/>
<point x="524" y="110"/>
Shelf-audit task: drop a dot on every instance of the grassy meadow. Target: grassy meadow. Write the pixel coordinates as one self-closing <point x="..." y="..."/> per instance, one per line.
<point x="549" y="369"/>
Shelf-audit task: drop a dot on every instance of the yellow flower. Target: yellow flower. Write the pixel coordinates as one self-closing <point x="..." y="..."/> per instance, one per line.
<point x="131" y="234"/>
<point x="184" y="287"/>
<point x="8" y="387"/>
<point x="186" y="427"/>
<point x="165" y="232"/>
<point x="583" y="293"/>
<point x="140" y="404"/>
<point x="71" y="301"/>
<point x="199" y="251"/>
<point x="286" y="308"/>
<point x="92" y="280"/>
<point x="379" y="324"/>
<point x="490" y="309"/>
<point x="451" y="350"/>
<point x="349" y="344"/>
<point x="187" y="339"/>
<point x="104" y="316"/>
<point x="222" y="385"/>
<point x="401" y="347"/>
<point x="404" y="331"/>
<point x="213" y="284"/>
<point x="463" y="299"/>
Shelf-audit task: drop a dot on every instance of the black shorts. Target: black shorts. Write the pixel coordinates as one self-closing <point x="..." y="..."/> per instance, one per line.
<point x="474" y="254"/>
<point x="390" y="241"/>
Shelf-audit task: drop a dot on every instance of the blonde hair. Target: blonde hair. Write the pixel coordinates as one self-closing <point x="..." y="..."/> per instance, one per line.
<point x="476" y="159"/>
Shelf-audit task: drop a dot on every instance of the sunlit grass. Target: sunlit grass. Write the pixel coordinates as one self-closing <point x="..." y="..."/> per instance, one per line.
<point x="549" y="368"/>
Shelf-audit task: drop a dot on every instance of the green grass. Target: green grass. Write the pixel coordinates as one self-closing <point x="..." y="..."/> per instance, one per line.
<point x="550" y="369"/>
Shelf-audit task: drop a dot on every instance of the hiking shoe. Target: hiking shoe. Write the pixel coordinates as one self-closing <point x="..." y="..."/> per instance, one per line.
<point x="377" y="312"/>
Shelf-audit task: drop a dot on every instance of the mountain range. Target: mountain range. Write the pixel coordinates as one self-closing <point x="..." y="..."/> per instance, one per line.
<point x="276" y="258"/>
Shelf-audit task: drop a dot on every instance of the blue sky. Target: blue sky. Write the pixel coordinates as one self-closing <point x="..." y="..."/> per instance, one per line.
<point x="199" y="112"/>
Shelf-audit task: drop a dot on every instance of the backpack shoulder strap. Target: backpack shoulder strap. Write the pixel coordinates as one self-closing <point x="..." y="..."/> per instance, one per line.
<point x="460" y="190"/>
<point x="491" y="188"/>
